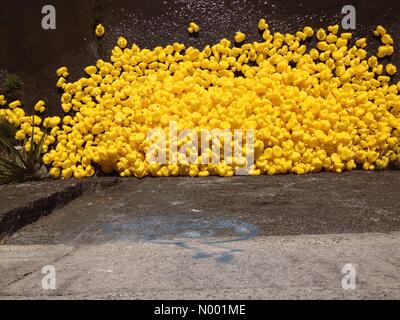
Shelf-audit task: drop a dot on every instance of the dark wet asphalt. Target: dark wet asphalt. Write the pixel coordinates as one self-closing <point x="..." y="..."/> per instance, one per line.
<point x="35" y="54"/>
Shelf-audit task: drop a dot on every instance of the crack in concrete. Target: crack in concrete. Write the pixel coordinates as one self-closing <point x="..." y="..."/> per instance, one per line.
<point x="27" y="274"/>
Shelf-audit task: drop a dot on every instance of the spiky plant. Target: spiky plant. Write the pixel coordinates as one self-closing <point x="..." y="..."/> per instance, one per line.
<point x="10" y="86"/>
<point x="16" y="163"/>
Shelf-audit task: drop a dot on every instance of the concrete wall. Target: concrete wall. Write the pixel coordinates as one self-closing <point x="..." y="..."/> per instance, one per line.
<point x="34" y="54"/>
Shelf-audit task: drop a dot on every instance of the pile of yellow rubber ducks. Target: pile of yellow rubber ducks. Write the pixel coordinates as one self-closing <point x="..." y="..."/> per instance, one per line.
<point x="330" y="108"/>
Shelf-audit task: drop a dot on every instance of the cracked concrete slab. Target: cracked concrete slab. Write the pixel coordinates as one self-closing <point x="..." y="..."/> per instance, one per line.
<point x="237" y="207"/>
<point x="215" y="238"/>
<point x="295" y="267"/>
<point x="19" y="262"/>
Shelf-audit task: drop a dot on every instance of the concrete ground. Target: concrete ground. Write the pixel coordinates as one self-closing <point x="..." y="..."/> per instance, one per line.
<point x="281" y="237"/>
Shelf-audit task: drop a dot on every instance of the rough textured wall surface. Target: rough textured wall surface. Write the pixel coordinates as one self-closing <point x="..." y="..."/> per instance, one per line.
<point x="34" y="54"/>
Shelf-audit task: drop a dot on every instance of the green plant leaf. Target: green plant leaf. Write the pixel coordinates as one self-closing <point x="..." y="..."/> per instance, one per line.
<point x="17" y="165"/>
